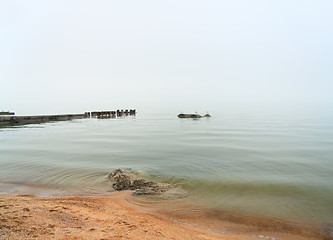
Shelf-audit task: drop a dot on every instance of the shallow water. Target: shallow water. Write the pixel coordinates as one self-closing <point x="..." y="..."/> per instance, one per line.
<point x="275" y="164"/>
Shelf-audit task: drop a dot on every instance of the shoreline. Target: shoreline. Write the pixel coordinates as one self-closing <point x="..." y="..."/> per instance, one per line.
<point x="119" y="215"/>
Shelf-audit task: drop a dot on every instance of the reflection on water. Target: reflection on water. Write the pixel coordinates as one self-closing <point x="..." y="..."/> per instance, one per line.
<point x="277" y="165"/>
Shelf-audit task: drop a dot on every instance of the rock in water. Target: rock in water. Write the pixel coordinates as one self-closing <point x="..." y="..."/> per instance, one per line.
<point x="122" y="185"/>
<point x="121" y="174"/>
<point x="126" y="179"/>
<point x="153" y="189"/>
<point x="122" y="177"/>
<point x="182" y="115"/>
<point x="140" y="183"/>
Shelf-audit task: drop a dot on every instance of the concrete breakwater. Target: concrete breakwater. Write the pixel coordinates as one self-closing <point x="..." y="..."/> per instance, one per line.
<point x="22" y="120"/>
<point x="7" y="113"/>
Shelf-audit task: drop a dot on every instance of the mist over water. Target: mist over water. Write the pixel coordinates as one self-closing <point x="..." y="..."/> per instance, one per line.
<point x="272" y="162"/>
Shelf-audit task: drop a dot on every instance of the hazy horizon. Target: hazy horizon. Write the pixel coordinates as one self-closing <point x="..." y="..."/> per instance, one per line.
<point x="75" y="56"/>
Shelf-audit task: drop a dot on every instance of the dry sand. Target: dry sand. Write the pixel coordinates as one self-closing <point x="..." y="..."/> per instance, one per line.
<point x="118" y="216"/>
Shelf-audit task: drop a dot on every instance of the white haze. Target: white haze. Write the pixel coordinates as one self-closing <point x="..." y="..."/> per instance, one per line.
<point x="75" y="56"/>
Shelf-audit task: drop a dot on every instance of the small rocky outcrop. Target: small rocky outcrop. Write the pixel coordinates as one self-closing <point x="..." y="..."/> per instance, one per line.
<point x="195" y="115"/>
<point x="123" y="178"/>
<point x="182" y="115"/>
<point x="126" y="179"/>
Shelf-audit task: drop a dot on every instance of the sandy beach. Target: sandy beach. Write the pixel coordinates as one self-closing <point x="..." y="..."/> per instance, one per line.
<point x="119" y="216"/>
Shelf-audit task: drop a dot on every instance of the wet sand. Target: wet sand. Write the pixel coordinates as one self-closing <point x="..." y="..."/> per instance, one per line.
<point x="120" y="215"/>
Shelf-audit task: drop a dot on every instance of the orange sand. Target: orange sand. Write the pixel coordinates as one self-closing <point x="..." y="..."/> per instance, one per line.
<point x="116" y="217"/>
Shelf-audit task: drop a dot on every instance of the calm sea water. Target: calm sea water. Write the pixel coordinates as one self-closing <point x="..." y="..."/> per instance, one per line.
<point x="276" y="164"/>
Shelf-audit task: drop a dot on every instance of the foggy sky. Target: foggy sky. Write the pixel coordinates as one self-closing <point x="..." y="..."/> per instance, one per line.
<point x="74" y="56"/>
